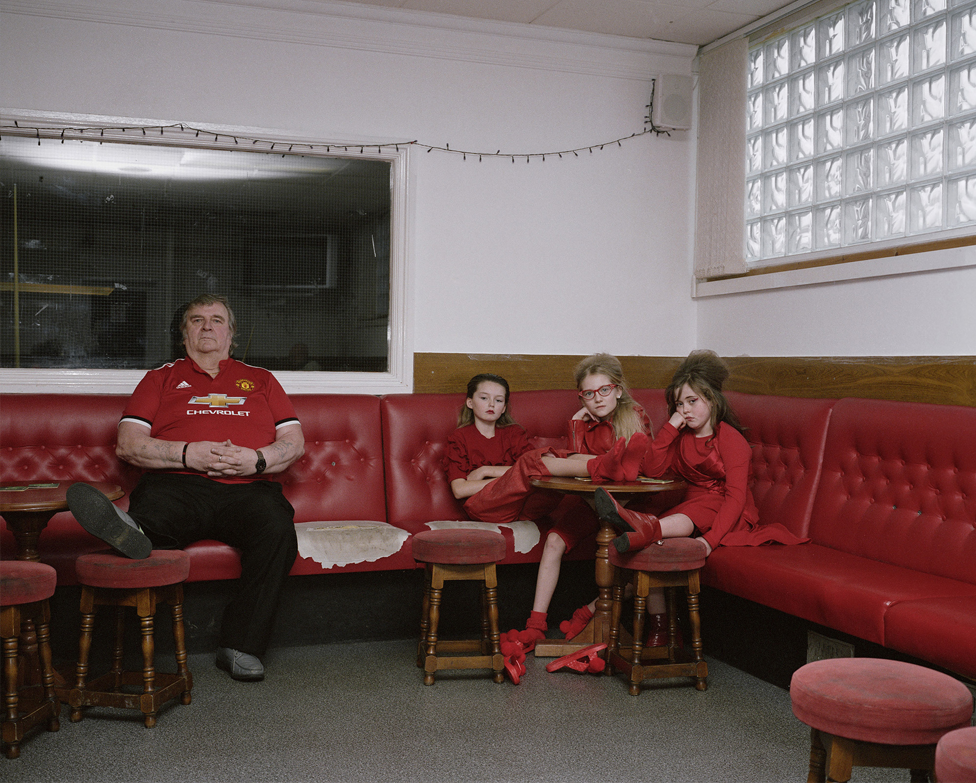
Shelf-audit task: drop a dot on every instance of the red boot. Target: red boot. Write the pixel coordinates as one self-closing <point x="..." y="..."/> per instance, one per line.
<point x="639" y="530"/>
<point x="622" y="462"/>
<point x="574" y="627"/>
<point x="657" y="631"/>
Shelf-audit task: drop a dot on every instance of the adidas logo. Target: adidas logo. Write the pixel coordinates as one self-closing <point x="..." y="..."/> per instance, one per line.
<point x="183" y="385"/>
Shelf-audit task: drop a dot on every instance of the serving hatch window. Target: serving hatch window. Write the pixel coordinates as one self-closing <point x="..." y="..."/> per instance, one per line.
<point x="102" y="243"/>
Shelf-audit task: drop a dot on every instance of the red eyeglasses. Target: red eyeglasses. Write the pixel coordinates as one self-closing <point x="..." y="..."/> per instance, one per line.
<point x="603" y="391"/>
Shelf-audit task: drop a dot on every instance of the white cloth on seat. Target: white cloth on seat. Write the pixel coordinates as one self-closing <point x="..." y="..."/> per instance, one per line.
<point x="333" y="544"/>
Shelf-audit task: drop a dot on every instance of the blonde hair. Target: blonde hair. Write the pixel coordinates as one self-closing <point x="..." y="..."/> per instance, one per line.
<point x="624" y="418"/>
<point x="466" y="415"/>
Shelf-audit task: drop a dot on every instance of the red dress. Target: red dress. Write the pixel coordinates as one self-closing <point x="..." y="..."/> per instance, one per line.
<point x="718" y="500"/>
<point x="511" y="496"/>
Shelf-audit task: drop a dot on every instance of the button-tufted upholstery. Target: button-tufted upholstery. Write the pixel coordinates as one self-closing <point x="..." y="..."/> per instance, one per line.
<point x="892" y="521"/>
<point x="886" y="491"/>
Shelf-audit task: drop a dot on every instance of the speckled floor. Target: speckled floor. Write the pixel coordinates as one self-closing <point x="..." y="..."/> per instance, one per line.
<point x="359" y="712"/>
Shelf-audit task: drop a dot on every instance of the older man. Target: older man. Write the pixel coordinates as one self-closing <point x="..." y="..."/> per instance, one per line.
<point x="208" y="430"/>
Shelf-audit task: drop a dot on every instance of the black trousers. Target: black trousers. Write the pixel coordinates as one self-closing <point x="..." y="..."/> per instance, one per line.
<point x="175" y="510"/>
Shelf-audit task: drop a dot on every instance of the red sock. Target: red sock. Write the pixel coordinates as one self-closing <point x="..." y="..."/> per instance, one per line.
<point x="574" y="627"/>
<point x="535" y="630"/>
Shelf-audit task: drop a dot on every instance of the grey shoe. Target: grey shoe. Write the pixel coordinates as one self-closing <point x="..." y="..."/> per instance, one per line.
<point x="104" y="520"/>
<point x="241" y="666"/>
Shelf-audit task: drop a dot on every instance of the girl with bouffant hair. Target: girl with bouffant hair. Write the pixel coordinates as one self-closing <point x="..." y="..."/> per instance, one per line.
<point x="702" y="443"/>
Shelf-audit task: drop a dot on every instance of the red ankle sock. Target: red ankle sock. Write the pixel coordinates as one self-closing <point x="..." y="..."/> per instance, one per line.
<point x="574" y="627"/>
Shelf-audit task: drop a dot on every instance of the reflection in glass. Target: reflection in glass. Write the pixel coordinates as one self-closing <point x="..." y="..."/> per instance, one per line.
<point x="114" y="238"/>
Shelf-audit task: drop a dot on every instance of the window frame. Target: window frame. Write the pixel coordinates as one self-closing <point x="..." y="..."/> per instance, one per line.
<point x="399" y="376"/>
<point x="949" y="248"/>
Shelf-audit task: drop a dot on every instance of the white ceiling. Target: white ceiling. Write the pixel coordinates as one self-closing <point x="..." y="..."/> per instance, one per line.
<point x="683" y="21"/>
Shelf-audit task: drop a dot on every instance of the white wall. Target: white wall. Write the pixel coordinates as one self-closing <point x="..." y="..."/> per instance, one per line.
<point x="928" y="313"/>
<point x="565" y="256"/>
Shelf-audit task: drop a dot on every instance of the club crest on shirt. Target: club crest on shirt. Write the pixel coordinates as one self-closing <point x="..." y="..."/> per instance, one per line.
<point x="245" y="385"/>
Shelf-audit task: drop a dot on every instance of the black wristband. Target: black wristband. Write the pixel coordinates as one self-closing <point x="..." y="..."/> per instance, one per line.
<point x="185" y="447"/>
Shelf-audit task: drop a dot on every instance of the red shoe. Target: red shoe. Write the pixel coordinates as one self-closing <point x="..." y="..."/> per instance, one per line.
<point x="584" y="660"/>
<point x="574" y="627"/>
<point x="657" y="632"/>
<point x="638" y="530"/>
<point x="514" y="656"/>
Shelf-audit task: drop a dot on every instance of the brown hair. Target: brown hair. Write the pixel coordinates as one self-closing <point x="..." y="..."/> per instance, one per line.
<point x="705" y="373"/>
<point x="624" y="418"/>
<point x="466" y="415"/>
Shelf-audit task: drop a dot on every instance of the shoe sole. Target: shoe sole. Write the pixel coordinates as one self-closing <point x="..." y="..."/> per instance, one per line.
<point x="96" y="514"/>
<point x="240" y="677"/>
<point x="607" y="510"/>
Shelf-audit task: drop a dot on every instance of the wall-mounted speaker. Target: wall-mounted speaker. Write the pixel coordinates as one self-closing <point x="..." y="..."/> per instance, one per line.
<point x="672" y="102"/>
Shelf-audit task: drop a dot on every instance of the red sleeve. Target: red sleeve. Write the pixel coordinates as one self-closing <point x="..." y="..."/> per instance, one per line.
<point x="458" y="462"/>
<point x="282" y="409"/>
<point x="518" y="443"/>
<point x="142" y="406"/>
<point x="659" y="456"/>
<point x="576" y="430"/>
<point x="736" y="456"/>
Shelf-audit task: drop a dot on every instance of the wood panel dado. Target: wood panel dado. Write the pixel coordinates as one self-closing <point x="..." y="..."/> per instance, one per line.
<point x="949" y="380"/>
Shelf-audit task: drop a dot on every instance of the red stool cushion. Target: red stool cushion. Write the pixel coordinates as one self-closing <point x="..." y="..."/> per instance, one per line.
<point x="875" y="700"/>
<point x="675" y="554"/>
<point x="23" y="582"/>
<point x="955" y="757"/>
<point x="106" y="569"/>
<point x="458" y="547"/>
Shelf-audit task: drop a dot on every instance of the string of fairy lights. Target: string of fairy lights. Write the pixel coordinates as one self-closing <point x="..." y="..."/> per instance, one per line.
<point x="119" y="132"/>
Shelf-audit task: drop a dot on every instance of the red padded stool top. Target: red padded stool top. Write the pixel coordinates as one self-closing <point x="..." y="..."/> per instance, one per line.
<point x="875" y="700"/>
<point x="106" y="569"/>
<point x="23" y="582"/>
<point x="458" y="547"/>
<point x="675" y="554"/>
<point x="955" y="756"/>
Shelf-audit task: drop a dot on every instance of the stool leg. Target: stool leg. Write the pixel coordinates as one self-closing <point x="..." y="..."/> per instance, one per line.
<point x="694" y="622"/>
<point x="672" y="610"/>
<point x="148" y="668"/>
<point x="179" y="642"/>
<point x="11" y="696"/>
<point x="485" y="624"/>
<point x="47" y="666"/>
<point x="818" y="759"/>
<point x="840" y="760"/>
<point x="118" y="650"/>
<point x="641" y="590"/>
<point x="434" y="616"/>
<point x="616" y="609"/>
<point x="424" y="617"/>
<point x="84" y="649"/>
<point x="491" y="598"/>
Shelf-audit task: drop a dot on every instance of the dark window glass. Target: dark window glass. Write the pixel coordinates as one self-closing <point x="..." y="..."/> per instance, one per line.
<point x="101" y="244"/>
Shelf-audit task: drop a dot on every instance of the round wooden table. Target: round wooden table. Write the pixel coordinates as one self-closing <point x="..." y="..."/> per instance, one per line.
<point x="27" y="508"/>
<point x="598" y="630"/>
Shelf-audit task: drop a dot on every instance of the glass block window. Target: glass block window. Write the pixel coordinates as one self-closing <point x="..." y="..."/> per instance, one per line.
<point x="861" y="128"/>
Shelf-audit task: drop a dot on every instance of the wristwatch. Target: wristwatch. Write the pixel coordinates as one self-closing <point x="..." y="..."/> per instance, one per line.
<point x="261" y="463"/>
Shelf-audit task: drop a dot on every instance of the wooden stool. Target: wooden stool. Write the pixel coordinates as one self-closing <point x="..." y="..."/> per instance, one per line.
<point x="111" y="580"/>
<point x="670" y="565"/>
<point x="955" y="757"/>
<point x="869" y="712"/>
<point x="459" y="555"/>
<point x="24" y="589"/>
